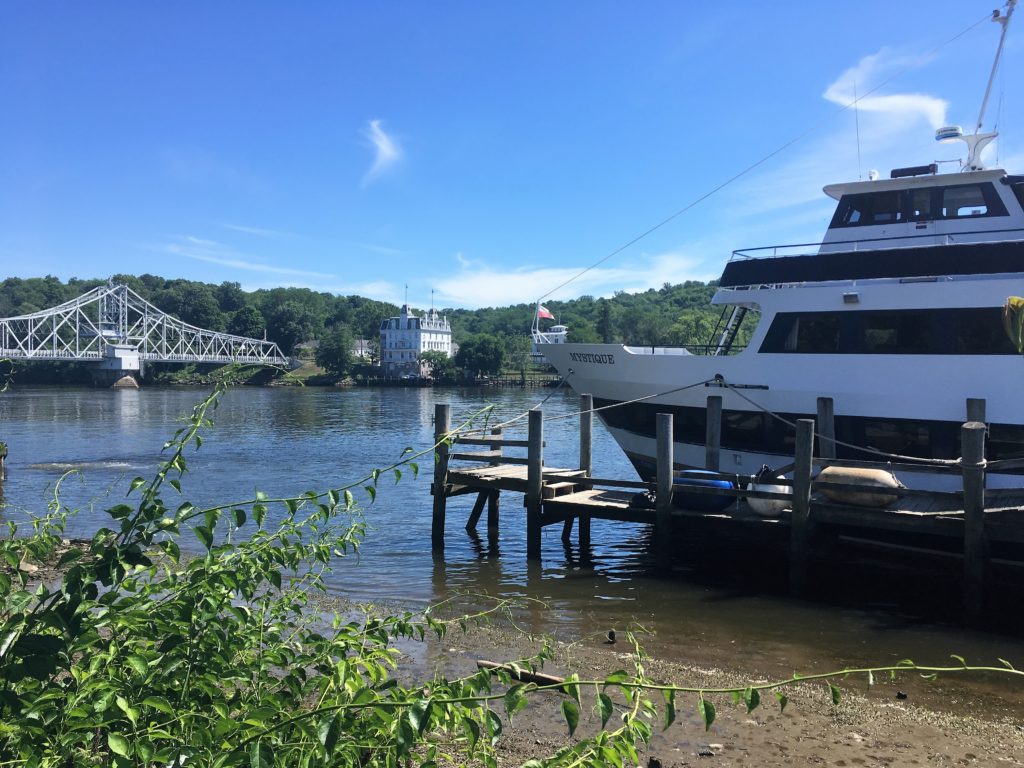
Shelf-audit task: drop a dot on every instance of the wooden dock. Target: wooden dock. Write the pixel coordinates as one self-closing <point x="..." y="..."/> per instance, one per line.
<point x="967" y="522"/>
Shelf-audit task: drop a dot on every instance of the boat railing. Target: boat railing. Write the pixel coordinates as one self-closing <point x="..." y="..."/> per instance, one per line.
<point x="680" y="350"/>
<point x="905" y="241"/>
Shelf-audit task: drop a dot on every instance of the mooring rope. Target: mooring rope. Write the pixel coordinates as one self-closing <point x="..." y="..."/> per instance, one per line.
<point x="864" y="448"/>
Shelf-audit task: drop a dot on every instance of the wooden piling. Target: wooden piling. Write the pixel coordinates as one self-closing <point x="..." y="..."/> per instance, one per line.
<point x="801" y="524"/>
<point x="972" y="448"/>
<point x="586" y="459"/>
<point x="442" y="426"/>
<point x="826" y="428"/>
<point x="534" y="482"/>
<point x="493" y="516"/>
<point x="663" y="503"/>
<point x="976" y="409"/>
<point x="713" y="433"/>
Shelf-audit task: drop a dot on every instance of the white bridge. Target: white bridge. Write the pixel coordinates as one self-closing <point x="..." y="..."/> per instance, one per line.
<point x="114" y="328"/>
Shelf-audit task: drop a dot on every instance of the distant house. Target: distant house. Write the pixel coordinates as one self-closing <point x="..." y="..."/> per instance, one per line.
<point x="404" y="338"/>
<point x="362" y="349"/>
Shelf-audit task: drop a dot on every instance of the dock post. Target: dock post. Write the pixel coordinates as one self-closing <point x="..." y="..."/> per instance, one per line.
<point x="826" y="428"/>
<point x="972" y="447"/>
<point x="442" y="426"/>
<point x="534" y="483"/>
<point x="493" y="497"/>
<point x="976" y="409"/>
<point x="586" y="460"/>
<point x="801" y="525"/>
<point x="713" y="433"/>
<point x="663" y="496"/>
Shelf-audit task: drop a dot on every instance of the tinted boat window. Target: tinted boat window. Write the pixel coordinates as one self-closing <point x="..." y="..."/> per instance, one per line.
<point x="904" y="333"/>
<point x="958" y="202"/>
<point x="967" y="331"/>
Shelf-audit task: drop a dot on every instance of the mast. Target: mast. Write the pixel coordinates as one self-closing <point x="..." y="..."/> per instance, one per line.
<point x="977" y="141"/>
<point x="1004" y="21"/>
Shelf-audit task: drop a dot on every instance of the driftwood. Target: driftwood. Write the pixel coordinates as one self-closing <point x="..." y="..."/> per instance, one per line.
<point x="522" y="675"/>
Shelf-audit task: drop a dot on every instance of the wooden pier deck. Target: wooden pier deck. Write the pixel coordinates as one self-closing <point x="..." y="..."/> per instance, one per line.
<point x="966" y="523"/>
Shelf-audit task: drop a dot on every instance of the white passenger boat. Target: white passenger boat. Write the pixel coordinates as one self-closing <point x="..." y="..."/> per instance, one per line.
<point x="896" y="316"/>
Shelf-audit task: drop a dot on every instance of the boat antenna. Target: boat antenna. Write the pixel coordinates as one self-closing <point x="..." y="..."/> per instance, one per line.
<point x="856" y="121"/>
<point x="1004" y="21"/>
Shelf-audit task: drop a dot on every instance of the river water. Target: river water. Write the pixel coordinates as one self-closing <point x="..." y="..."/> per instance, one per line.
<point x="285" y="441"/>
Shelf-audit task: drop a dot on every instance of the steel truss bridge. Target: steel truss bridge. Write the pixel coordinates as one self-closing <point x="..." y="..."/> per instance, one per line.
<point x="119" y="331"/>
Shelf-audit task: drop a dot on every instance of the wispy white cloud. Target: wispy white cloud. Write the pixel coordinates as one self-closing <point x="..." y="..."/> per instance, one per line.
<point x="476" y="283"/>
<point x="874" y="69"/>
<point x="256" y="231"/>
<point x="386" y="148"/>
<point x="213" y="252"/>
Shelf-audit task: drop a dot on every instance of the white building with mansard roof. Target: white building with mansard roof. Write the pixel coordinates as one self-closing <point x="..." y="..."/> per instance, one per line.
<point x="405" y="338"/>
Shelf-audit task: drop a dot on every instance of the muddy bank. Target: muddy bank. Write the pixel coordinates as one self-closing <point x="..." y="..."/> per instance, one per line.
<point x="909" y="721"/>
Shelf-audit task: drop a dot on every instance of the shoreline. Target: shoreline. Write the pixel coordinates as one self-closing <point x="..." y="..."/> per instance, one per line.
<point x="869" y="726"/>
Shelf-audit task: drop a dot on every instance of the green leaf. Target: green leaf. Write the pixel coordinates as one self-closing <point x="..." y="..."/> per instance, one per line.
<point x="415" y="468"/>
<point x="1005" y="663"/>
<point x="706" y="710"/>
<point x="752" y="698"/>
<point x="239" y="515"/>
<point x="871" y="678"/>
<point x="604" y="706"/>
<point x="372" y="492"/>
<point x="329" y="731"/>
<point x="571" y="713"/>
<point x="494" y="726"/>
<point x="349" y="500"/>
<point x="118" y="744"/>
<point x="260" y="756"/>
<point x="783" y="700"/>
<point x="616" y="678"/>
<point x="963" y="662"/>
<point x="138" y="663"/>
<point x="398" y="475"/>
<point x="515" y="701"/>
<point x="204" y="534"/>
<point x="159" y="703"/>
<point x="419" y="715"/>
<point x="670" y="707"/>
<point x="836" y="693"/>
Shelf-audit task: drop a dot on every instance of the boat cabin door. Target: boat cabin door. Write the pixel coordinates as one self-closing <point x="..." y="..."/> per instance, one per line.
<point x="923" y="227"/>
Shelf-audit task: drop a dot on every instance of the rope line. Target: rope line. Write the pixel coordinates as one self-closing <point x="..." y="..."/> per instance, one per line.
<point x="863" y="448"/>
<point x="799" y="137"/>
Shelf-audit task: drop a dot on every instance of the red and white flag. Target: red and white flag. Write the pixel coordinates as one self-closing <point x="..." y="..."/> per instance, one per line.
<point x="542" y="311"/>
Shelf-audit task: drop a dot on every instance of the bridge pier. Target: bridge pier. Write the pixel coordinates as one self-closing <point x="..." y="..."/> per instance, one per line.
<point x="119" y="367"/>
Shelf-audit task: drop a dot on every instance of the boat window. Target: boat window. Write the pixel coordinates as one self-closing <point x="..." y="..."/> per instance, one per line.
<point x="867" y="209"/>
<point x="904" y="333"/>
<point x="980" y="332"/>
<point x="954" y="331"/>
<point x="742" y="428"/>
<point x="810" y="332"/>
<point x="904" y="438"/>
<point x="920" y="204"/>
<point x="1018" y="190"/>
<point x="963" y="201"/>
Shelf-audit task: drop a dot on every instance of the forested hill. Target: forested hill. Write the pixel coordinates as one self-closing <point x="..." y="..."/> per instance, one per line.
<point x="672" y="315"/>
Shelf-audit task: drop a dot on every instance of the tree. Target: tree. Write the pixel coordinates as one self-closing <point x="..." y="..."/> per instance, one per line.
<point x="230" y="296"/>
<point x="248" y="321"/>
<point x="481" y="354"/>
<point x="440" y="365"/>
<point x="289" y="323"/>
<point x="335" y="352"/>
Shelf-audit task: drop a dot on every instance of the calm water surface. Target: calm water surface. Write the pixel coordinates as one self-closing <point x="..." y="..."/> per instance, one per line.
<point x="288" y="440"/>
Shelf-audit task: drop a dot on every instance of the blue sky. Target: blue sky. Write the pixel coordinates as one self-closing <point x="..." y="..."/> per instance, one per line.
<point x="484" y="151"/>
